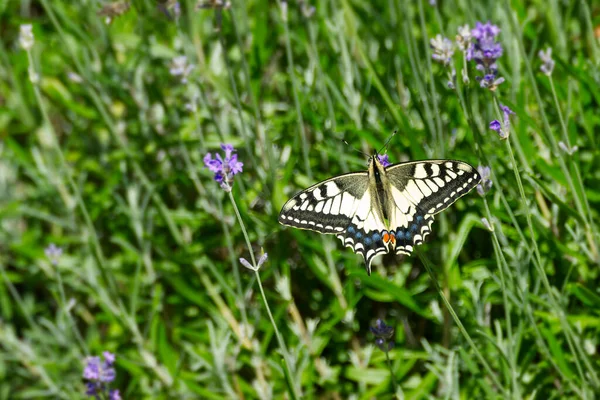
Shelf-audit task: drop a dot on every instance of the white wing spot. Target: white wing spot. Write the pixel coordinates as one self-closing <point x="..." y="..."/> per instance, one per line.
<point x="413" y="192"/>
<point x="317" y="194"/>
<point x="347" y="204"/>
<point x="420" y="172"/>
<point x="304" y="205"/>
<point x="335" y="207"/>
<point x="332" y="189"/>
<point x="424" y="188"/>
<point x="434" y="188"/>
<point x="438" y="181"/>
<point x="327" y="206"/>
<point x="319" y="206"/>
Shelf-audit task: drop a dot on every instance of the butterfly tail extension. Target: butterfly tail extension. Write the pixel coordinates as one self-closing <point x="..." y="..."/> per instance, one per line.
<point x="367" y="244"/>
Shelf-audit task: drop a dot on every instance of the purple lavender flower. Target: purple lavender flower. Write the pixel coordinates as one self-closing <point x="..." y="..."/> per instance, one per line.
<point x="503" y="128"/>
<point x="224" y="168"/>
<point x="53" y="252"/>
<point x="486" y="183"/>
<point x="98" y="374"/>
<point x="495" y="125"/>
<point x="383" y="159"/>
<point x="383" y="333"/>
<point x="485" y="50"/>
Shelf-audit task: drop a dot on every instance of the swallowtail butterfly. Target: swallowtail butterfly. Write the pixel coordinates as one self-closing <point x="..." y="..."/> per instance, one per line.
<point x="384" y="209"/>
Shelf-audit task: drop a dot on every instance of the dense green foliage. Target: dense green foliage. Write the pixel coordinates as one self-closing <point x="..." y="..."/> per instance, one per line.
<point x="102" y="140"/>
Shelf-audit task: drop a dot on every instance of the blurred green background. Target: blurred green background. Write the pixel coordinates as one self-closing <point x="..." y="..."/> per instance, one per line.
<point x="105" y="119"/>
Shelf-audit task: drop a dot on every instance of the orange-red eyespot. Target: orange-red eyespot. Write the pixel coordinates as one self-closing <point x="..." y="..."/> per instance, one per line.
<point x="386" y="237"/>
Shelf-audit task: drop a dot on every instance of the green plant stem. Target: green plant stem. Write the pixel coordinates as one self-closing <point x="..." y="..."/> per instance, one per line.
<point x="282" y="346"/>
<point x="392" y="376"/>
<point x="512" y="352"/>
<point x="291" y="70"/>
<point x="491" y="373"/>
<point x="572" y="341"/>
<point x="590" y="227"/>
<point x="502" y="263"/>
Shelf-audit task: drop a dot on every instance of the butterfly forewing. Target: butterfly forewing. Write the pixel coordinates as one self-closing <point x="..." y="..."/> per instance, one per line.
<point x="420" y="190"/>
<point x="328" y="206"/>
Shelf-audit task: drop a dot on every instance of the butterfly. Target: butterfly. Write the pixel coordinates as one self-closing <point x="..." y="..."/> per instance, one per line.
<point x="384" y="209"/>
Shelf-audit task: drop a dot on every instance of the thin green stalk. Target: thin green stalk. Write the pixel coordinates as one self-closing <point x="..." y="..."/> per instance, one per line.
<point x="282" y="346"/>
<point x="95" y="242"/>
<point x="139" y="171"/>
<point x="590" y="226"/>
<point x="323" y="87"/>
<point x="291" y="71"/>
<point x="64" y="307"/>
<point x="392" y="376"/>
<point x="555" y="305"/>
<point x="507" y="316"/>
<point x="533" y="323"/>
<point x="267" y="153"/>
<point x="438" y="132"/>
<point x="45" y="377"/>
<point x="547" y="128"/>
<point x="461" y="327"/>
<point x="238" y="105"/>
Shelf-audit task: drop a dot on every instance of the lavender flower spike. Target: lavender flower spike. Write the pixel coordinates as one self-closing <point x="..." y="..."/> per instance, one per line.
<point x="443" y="49"/>
<point x="224" y="168"/>
<point x="485" y="50"/>
<point x="548" y="63"/>
<point x="98" y="375"/>
<point x="383" y="333"/>
<point x="486" y="183"/>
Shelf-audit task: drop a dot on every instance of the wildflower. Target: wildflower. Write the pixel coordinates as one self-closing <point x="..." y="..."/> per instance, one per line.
<point x="383" y="333"/>
<point x="486" y="183"/>
<point x="484" y="50"/>
<point x="180" y="67"/>
<point x="224" y="168"/>
<point x="53" y="252"/>
<point x="166" y="6"/>
<point x="443" y="49"/>
<point x="307" y="10"/>
<point x="463" y="39"/>
<point x="216" y="4"/>
<point x="569" y="150"/>
<point x="503" y="128"/>
<point x="487" y="224"/>
<point x="26" y="39"/>
<point x="74" y="77"/>
<point x="548" y="62"/>
<point x="383" y="159"/>
<point x="495" y="125"/>
<point x="99" y="374"/>
<point x="112" y="10"/>
<point x="260" y="263"/>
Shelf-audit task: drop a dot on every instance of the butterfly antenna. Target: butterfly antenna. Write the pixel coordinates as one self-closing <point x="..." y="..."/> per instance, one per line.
<point x="387" y="142"/>
<point x="354" y="148"/>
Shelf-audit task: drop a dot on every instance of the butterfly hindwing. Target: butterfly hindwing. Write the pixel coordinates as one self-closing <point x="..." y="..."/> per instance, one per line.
<point x="366" y="232"/>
